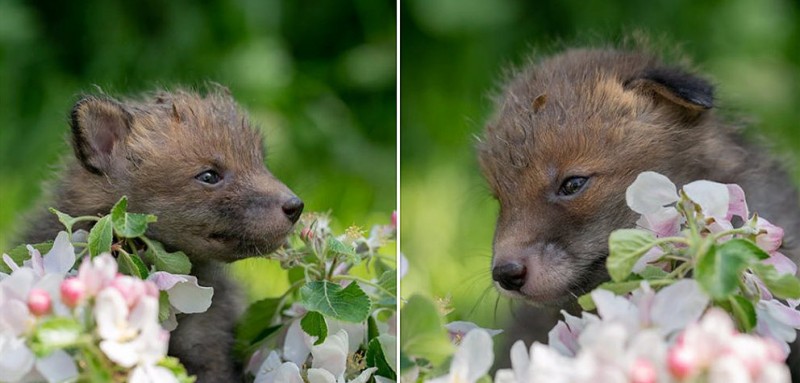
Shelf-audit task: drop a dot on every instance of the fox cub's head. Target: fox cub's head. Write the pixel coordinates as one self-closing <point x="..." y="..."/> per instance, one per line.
<point x="569" y="135"/>
<point x="195" y="162"/>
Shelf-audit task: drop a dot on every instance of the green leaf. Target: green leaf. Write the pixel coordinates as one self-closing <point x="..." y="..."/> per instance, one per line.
<point x="742" y="310"/>
<point x="129" y="225"/>
<point x="349" y="304"/>
<point x="175" y="263"/>
<point x="405" y="363"/>
<point x="132" y="265"/>
<point x="423" y="332"/>
<point x="296" y="274"/>
<point x="174" y="365"/>
<point x="744" y="249"/>
<point x="586" y="302"/>
<point x="372" y="328"/>
<point x="65" y="219"/>
<point x="653" y="272"/>
<point x="163" y="306"/>
<point x="257" y="318"/>
<point x="313" y="323"/>
<point x="388" y="280"/>
<point x="96" y="371"/>
<point x="337" y="247"/>
<point x="101" y="236"/>
<point x="625" y="247"/>
<point x="785" y="286"/>
<point x="719" y="269"/>
<point x="377" y="358"/>
<point x="20" y="254"/>
<point x="387" y="296"/>
<point x="55" y="333"/>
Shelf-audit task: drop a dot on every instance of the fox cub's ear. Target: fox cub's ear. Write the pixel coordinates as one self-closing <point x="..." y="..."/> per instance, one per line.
<point x="98" y="126"/>
<point x="676" y="86"/>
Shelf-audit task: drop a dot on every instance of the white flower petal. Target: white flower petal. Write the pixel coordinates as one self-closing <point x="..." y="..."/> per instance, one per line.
<point x="318" y="375"/>
<point x="402" y="270"/>
<point x="474" y="357"/>
<point x="331" y="354"/>
<point x="16" y="360"/>
<point x="149" y="373"/>
<point x="713" y="197"/>
<point x="458" y="329"/>
<point x="296" y="345"/>
<point x="123" y="354"/>
<point x="189" y="297"/>
<point x="737" y="205"/>
<point x="664" y="222"/>
<point x="111" y="314"/>
<point x="650" y="192"/>
<point x="270" y="364"/>
<point x="288" y="373"/>
<point x="57" y="367"/>
<point x="165" y="280"/>
<point x="61" y="257"/>
<point x="782" y="263"/>
<point x="614" y="308"/>
<point x="10" y="263"/>
<point x="356" y="332"/>
<point x="19" y="284"/>
<point x="677" y="305"/>
<point x="520" y="360"/>
<point x="15" y="317"/>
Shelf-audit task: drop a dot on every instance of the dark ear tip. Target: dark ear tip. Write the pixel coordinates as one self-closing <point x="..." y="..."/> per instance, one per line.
<point x="689" y="90"/>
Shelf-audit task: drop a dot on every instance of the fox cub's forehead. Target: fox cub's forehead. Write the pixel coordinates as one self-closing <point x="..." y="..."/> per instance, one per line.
<point x="210" y="125"/>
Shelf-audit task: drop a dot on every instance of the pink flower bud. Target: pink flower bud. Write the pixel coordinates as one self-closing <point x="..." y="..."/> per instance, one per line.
<point x="394" y="218"/>
<point x="39" y="302"/>
<point x="129" y="287"/>
<point x="681" y="361"/>
<point x="306" y="234"/>
<point x="643" y="371"/>
<point x="73" y="291"/>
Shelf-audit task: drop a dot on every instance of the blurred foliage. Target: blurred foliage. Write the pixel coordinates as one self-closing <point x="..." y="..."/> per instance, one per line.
<point x="318" y="77"/>
<point x="454" y="53"/>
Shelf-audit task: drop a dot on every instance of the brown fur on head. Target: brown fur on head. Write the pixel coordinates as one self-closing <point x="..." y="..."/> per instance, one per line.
<point x="570" y="134"/>
<point x="192" y="160"/>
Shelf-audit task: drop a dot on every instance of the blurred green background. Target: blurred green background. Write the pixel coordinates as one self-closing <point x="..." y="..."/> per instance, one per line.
<point x="317" y="76"/>
<point x="454" y="52"/>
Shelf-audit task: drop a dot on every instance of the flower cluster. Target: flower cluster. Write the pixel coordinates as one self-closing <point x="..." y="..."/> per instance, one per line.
<point x="55" y="318"/>
<point x="699" y="292"/>
<point x="96" y="306"/>
<point x="337" y="323"/>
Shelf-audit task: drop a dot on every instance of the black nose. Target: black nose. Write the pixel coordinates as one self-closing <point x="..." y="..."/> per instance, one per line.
<point x="510" y="276"/>
<point x="293" y="208"/>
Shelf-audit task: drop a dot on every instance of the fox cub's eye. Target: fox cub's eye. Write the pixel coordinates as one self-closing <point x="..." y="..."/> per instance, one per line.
<point x="209" y="177"/>
<point x="572" y="185"/>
